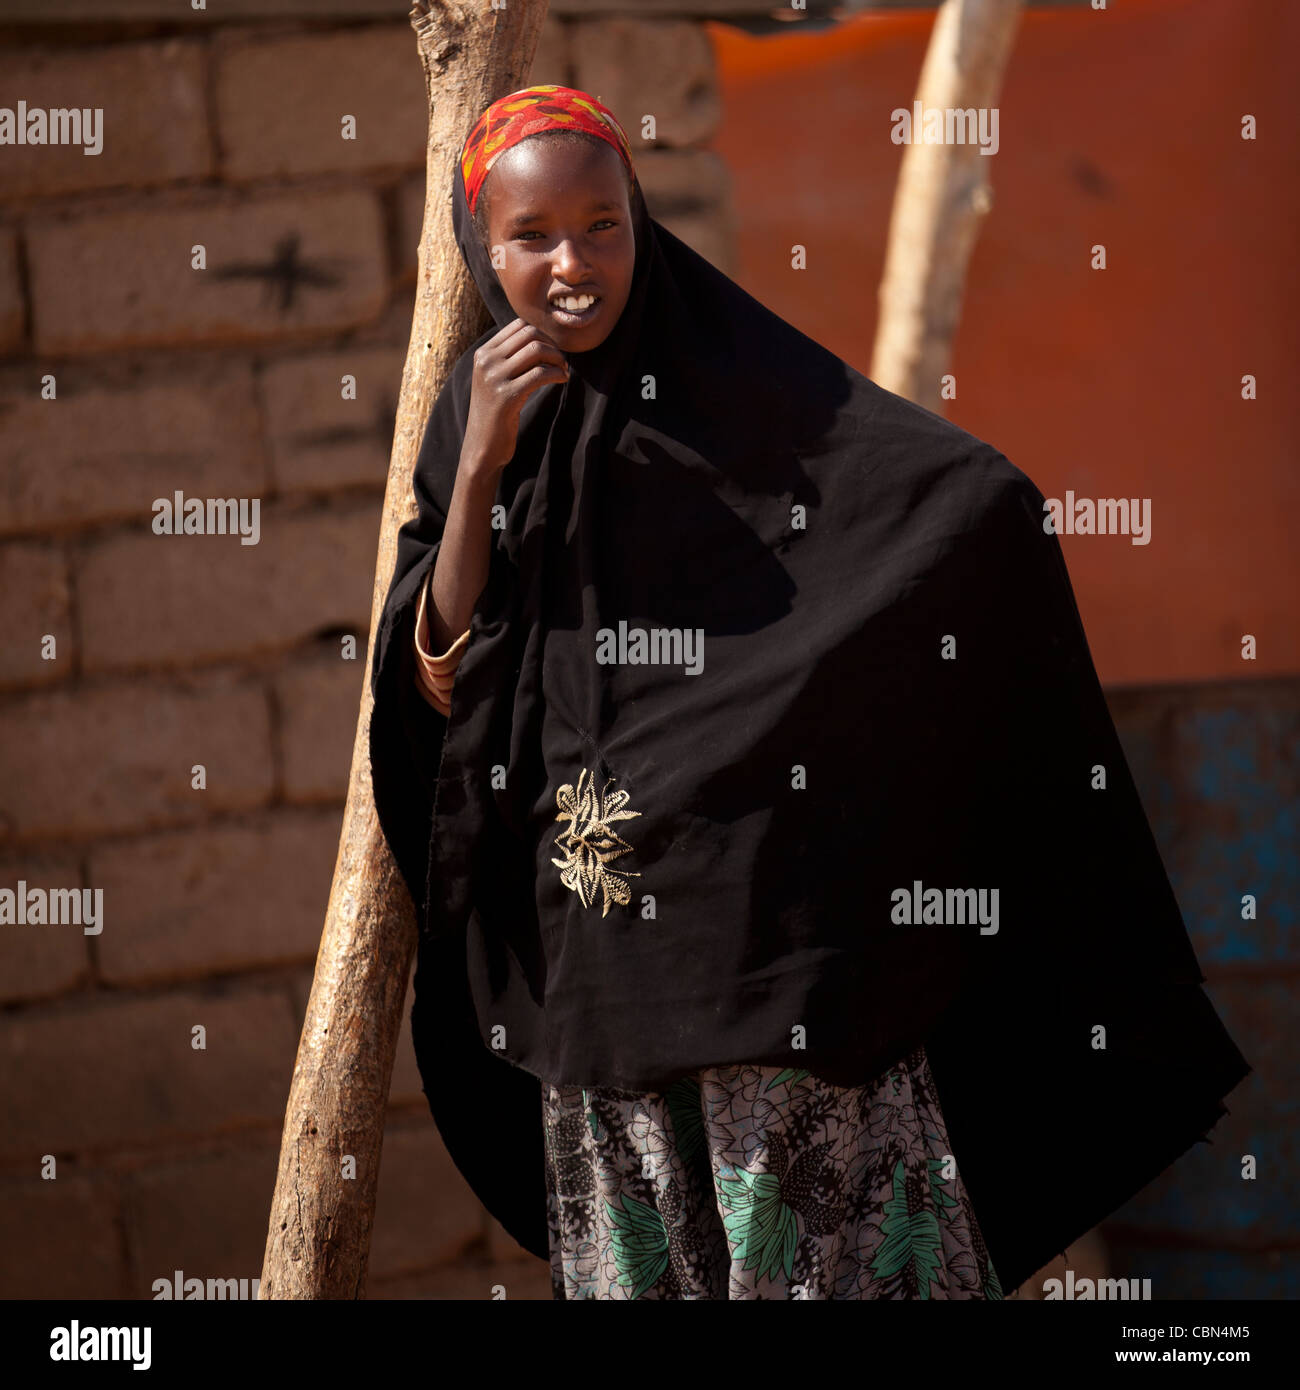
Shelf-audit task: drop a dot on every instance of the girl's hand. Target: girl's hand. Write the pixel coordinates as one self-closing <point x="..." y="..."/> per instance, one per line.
<point x="508" y="368"/>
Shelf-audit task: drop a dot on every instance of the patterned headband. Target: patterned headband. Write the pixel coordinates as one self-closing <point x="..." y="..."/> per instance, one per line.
<point x="529" y="112"/>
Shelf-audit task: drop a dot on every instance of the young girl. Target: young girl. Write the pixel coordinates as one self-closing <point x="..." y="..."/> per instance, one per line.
<point x="786" y="903"/>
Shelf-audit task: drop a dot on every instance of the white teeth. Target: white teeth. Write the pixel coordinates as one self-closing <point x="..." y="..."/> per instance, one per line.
<point x="575" y="304"/>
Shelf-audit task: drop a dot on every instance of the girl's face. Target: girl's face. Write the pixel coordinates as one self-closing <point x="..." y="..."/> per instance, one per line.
<point x="559" y="228"/>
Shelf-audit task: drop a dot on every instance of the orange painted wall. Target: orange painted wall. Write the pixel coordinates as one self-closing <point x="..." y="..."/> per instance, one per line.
<point x="1119" y="127"/>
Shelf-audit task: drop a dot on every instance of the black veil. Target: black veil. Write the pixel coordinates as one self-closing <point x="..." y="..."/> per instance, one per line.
<point x="896" y="690"/>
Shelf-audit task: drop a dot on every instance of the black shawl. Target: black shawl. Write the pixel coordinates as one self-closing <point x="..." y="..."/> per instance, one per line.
<point x="627" y="870"/>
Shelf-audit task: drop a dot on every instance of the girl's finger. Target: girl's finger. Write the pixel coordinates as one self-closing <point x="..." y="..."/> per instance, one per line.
<point x="546" y="350"/>
<point x="507" y="334"/>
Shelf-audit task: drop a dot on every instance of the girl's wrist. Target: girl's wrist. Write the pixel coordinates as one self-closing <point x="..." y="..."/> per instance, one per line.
<point x="475" y="492"/>
<point x="479" y="471"/>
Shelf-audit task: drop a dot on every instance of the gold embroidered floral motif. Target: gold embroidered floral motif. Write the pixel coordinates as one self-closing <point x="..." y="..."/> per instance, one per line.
<point x="589" y="844"/>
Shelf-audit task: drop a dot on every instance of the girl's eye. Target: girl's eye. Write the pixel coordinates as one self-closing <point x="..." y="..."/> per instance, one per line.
<point x="603" y="222"/>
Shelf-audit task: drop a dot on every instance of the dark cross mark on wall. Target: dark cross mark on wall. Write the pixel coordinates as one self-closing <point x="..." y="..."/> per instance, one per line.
<point x="283" y="271"/>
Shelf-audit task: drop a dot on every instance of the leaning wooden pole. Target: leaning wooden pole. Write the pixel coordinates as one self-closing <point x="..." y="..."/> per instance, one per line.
<point x="318" y="1242"/>
<point x="943" y="194"/>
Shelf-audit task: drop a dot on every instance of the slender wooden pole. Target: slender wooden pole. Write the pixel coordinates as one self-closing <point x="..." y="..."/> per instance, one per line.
<point x="943" y="194"/>
<point x="318" y="1242"/>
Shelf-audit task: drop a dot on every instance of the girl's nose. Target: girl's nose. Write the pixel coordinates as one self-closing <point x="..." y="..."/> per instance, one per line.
<point x="568" y="259"/>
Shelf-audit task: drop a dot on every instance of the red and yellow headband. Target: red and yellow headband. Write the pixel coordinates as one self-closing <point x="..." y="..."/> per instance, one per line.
<point x="529" y="112"/>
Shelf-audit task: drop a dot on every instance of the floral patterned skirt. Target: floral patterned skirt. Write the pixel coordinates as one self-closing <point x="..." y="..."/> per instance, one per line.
<point x="759" y="1182"/>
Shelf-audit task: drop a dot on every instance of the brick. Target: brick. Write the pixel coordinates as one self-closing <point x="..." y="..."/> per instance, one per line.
<point x="167" y="600"/>
<point x="707" y="235"/>
<point x="206" y="1216"/>
<point x="425" y="1212"/>
<point x="106" y="1075"/>
<point x="641" y="67"/>
<point x="34" y="604"/>
<point x="552" y="62"/>
<point x="281" y="102"/>
<point x="119" y="758"/>
<point x="59" y="1238"/>
<point x="467" y="1280"/>
<point x="12" y="312"/>
<point x="217" y="899"/>
<point x="124" y="279"/>
<point x="38" y="961"/>
<point x="62" y="461"/>
<point x="153" y="129"/>
<point x="689" y="192"/>
<point x="300" y="982"/>
<point x="319" y="701"/>
<point x="321" y="441"/>
<point x="410" y="223"/>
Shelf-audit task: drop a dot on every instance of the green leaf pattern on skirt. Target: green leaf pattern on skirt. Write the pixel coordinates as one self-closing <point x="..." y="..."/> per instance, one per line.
<point x="760" y="1182"/>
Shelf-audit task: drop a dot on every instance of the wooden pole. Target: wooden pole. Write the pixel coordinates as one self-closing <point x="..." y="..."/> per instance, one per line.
<point x="943" y="194"/>
<point x="318" y="1242"/>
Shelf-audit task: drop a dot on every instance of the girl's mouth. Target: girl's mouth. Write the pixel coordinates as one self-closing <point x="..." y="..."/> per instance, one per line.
<point x="576" y="317"/>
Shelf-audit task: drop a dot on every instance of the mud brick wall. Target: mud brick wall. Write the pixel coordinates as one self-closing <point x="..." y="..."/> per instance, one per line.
<point x="172" y="651"/>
